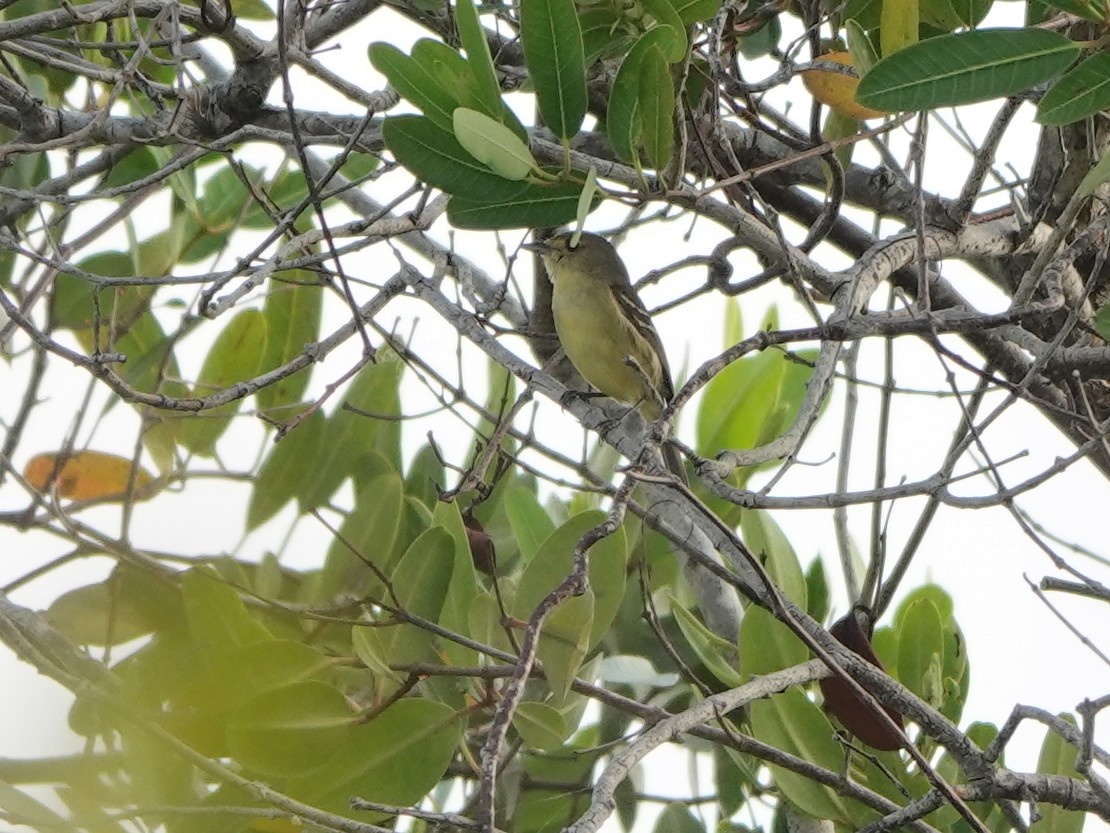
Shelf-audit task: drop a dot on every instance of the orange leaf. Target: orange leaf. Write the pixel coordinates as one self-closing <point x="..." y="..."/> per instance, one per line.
<point x="88" y="475"/>
<point x="838" y="91"/>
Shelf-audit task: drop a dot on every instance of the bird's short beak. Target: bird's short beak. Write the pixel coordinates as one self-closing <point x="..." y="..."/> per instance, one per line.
<point x="539" y="247"/>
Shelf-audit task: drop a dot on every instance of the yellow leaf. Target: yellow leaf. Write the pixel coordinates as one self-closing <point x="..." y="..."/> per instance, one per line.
<point x="88" y="475"/>
<point x="838" y="91"/>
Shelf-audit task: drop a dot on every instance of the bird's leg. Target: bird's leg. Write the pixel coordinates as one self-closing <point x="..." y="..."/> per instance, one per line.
<point x="572" y="396"/>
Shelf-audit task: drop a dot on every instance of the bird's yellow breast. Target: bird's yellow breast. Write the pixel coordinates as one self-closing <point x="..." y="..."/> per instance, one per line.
<point x="597" y="339"/>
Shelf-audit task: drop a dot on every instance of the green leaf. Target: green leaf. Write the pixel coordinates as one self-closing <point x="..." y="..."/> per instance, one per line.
<point x="464" y="583"/>
<point x="934" y="593"/>
<point x="964" y="68"/>
<point x="215" y="613"/>
<point x="534" y="206"/>
<point x="677" y="818"/>
<point x="1102" y="317"/>
<point x="350" y="435"/>
<point x="293" y="313"/>
<point x="282" y="476"/>
<point x="762" y="41"/>
<point x="920" y="650"/>
<point x="540" y="726"/>
<point x="415" y="82"/>
<point x="366" y="535"/>
<point x="473" y="38"/>
<point x="565" y="639"/>
<point x="767" y="542"/>
<point x="710" y="648"/>
<point x="130" y="603"/>
<point x="1082" y="92"/>
<point x="1058" y="758"/>
<point x="790" y="722"/>
<point x="425" y="476"/>
<point x="493" y="144"/>
<point x="767" y="645"/>
<point x="289" y="731"/>
<point x="695" y="11"/>
<point x="1095" y="10"/>
<point x="623" y="119"/>
<point x="603" y="35"/>
<point x="817" y="590"/>
<point x="606" y="561"/>
<point x="898" y="25"/>
<point x="656" y="97"/>
<point x="668" y="18"/>
<point x="554" y="52"/>
<point x="420" y="580"/>
<point x="235" y="356"/>
<point x="531" y="525"/>
<point x="433" y="154"/>
<point x="396" y="758"/>
<point x="860" y="47"/>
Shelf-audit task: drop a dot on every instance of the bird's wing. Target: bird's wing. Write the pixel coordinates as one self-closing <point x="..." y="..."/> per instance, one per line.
<point x="634" y="308"/>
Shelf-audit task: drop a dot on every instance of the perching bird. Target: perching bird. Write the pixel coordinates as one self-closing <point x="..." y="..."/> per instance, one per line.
<point x="603" y="326"/>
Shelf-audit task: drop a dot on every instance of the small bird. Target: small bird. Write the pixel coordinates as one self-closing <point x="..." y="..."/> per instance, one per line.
<point x="603" y="326"/>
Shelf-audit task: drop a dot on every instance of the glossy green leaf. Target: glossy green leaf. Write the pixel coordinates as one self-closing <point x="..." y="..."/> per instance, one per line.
<point x="656" y="97"/>
<point x="665" y="13"/>
<point x="531" y="524"/>
<point x="1058" y="758"/>
<point x="77" y="304"/>
<point x="235" y="356"/>
<point x="349" y="433"/>
<point x="1094" y="10"/>
<point x="553" y="49"/>
<point x="860" y="47"/>
<point x="921" y="650"/>
<point x="678" y="818"/>
<point x="738" y="401"/>
<point x="420" y="580"/>
<point x="293" y="312"/>
<point x="817" y="590"/>
<point x="606" y="562"/>
<point x="623" y="118"/>
<point x="695" y="11"/>
<point x="216" y="616"/>
<point x="493" y="144"/>
<point x="540" y="726"/>
<point x="394" y="759"/>
<point x="603" y="34"/>
<point x="289" y="731"/>
<point x="762" y="42"/>
<point x="464" y="583"/>
<point x="434" y="155"/>
<point x="128" y="604"/>
<point x="709" y="648"/>
<point x="426" y="476"/>
<point x="790" y="722"/>
<point x="1082" y="92"/>
<point x="366" y="535"/>
<point x="473" y="38"/>
<point x="964" y="68"/>
<point x="767" y="645"/>
<point x="564" y="640"/>
<point x="940" y="598"/>
<point x="283" y="473"/>
<point x="535" y="206"/>
<point x="416" y="83"/>
<point x="766" y="541"/>
<point x="1102" y="317"/>
<point x="898" y="24"/>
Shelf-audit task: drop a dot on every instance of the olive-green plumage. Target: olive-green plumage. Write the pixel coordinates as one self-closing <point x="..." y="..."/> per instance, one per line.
<point x="603" y="325"/>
